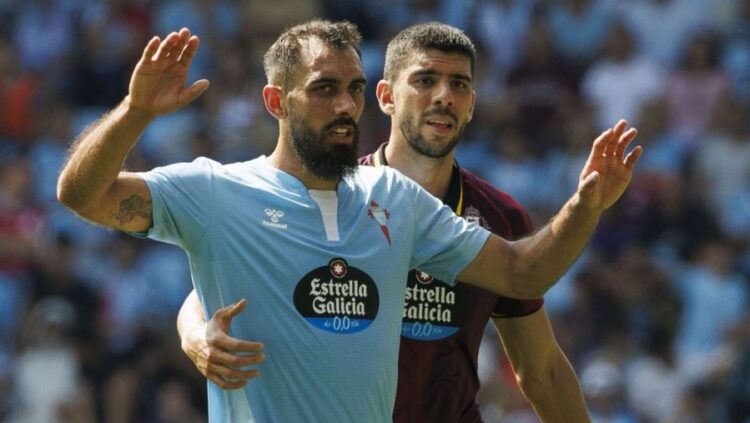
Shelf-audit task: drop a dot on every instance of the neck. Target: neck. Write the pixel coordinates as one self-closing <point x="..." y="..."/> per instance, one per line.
<point x="433" y="174"/>
<point x="284" y="159"/>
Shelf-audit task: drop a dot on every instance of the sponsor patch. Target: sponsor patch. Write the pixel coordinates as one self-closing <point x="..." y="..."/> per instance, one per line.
<point x="337" y="298"/>
<point x="432" y="308"/>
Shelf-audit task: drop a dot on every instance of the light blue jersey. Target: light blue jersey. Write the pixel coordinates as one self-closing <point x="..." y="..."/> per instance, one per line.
<point x="324" y="274"/>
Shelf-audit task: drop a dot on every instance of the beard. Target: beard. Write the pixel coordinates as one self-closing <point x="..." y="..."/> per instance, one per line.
<point x="326" y="161"/>
<point x="414" y="137"/>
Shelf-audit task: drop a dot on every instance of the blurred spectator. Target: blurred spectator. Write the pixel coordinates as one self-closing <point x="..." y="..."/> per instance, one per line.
<point x="580" y="28"/>
<point x="620" y="82"/>
<point x="47" y="378"/>
<point x="603" y="385"/>
<point x="736" y="55"/>
<point x="674" y="222"/>
<point x="662" y="27"/>
<point x="514" y="168"/>
<point x="17" y="96"/>
<point x="715" y="298"/>
<point x="44" y="32"/>
<point x="694" y="88"/>
<point x="722" y="161"/>
<point x="501" y="26"/>
<point x="540" y="85"/>
<point x="20" y="221"/>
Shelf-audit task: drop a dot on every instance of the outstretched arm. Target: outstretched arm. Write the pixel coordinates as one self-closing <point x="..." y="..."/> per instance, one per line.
<point x="543" y="372"/>
<point x="528" y="267"/>
<point x="219" y="357"/>
<point x="92" y="182"/>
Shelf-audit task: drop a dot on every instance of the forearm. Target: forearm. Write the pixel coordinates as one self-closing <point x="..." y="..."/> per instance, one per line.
<point x="557" y="397"/>
<point x="190" y="317"/>
<point x="539" y="260"/>
<point x="97" y="157"/>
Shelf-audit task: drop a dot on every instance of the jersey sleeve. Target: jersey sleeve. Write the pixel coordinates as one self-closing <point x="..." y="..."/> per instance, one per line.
<point x="444" y="244"/>
<point x="182" y="201"/>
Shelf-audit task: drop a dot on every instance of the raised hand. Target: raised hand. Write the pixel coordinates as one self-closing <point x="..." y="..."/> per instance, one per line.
<point x="608" y="170"/>
<point x="221" y="358"/>
<point x="157" y="85"/>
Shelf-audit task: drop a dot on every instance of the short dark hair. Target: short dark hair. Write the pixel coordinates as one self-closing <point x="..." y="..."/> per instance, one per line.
<point x="282" y="58"/>
<point x="427" y="36"/>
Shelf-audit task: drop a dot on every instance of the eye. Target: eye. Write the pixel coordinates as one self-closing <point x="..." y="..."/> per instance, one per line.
<point x="425" y="82"/>
<point x="460" y="84"/>
<point x="357" y="89"/>
<point x="325" y="89"/>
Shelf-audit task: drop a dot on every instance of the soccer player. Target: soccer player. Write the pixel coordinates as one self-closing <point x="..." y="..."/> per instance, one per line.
<point x="319" y="241"/>
<point x="429" y="72"/>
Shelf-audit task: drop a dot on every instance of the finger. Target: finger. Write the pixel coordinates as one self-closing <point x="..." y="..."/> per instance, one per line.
<point x="611" y="145"/>
<point x="166" y="46"/>
<point x="188" y="53"/>
<point x="231" y="310"/>
<point x="231" y="374"/>
<point x="182" y="38"/>
<point x="150" y="49"/>
<point x="633" y="156"/>
<point x="625" y="140"/>
<point x="235" y="345"/>
<point x="220" y="357"/>
<point x="599" y="143"/>
<point x="187" y="95"/>
<point x="588" y="184"/>
<point x="226" y="384"/>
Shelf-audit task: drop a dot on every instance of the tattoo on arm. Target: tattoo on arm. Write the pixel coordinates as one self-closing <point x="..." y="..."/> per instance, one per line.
<point x="132" y="207"/>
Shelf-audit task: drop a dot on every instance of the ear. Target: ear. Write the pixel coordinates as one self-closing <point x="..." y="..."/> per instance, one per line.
<point x="384" y="91"/>
<point x="473" y="101"/>
<point x="272" y="97"/>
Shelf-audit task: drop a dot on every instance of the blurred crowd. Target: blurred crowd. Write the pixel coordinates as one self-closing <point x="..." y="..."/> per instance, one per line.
<point x="653" y="316"/>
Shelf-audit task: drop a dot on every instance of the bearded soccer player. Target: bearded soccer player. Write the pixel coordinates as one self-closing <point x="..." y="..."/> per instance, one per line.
<point x="304" y="229"/>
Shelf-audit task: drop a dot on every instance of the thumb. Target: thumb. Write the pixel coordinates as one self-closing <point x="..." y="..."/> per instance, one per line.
<point x="232" y="310"/>
<point x="193" y="91"/>
<point x="589" y="183"/>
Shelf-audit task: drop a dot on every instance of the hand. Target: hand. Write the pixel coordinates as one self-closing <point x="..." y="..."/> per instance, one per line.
<point x="220" y="357"/>
<point x="606" y="173"/>
<point x="157" y="85"/>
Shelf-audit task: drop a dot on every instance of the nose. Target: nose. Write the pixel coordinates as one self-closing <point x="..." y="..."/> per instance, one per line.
<point x="344" y="104"/>
<point x="443" y="94"/>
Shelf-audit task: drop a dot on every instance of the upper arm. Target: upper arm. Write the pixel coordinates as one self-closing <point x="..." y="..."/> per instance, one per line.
<point x="126" y="205"/>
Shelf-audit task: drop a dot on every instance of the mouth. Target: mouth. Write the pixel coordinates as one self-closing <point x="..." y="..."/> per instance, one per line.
<point x="440" y="124"/>
<point x="341" y="133"/>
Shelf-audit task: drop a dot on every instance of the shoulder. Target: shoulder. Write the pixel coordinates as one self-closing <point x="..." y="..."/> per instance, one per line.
<point x="201" y="165"/>
<point x="505" y="216"/>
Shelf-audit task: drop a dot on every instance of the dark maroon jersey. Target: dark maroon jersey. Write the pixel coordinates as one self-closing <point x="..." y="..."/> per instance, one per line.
<point x="443" y="324"/>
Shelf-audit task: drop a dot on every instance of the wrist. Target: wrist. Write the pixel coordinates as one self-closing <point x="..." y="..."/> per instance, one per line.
<point x="136" y="113"/>
<point x="580" y="207"/>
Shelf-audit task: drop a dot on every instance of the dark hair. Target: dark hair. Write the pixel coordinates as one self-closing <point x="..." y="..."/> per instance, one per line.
<point x="282" y="58"/>
<point x="427" y="36"/>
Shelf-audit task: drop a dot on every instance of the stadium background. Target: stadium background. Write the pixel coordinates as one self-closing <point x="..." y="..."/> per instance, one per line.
<point x="653" y="316"/>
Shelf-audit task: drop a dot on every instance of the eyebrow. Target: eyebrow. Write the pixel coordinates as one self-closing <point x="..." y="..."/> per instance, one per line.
<point x="329" y="80"/>
<point x="430" y="72"/>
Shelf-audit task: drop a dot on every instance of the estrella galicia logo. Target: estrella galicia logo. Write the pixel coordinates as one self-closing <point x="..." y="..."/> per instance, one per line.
<point x="432" y="308"/>
<point x="337" y="298"/>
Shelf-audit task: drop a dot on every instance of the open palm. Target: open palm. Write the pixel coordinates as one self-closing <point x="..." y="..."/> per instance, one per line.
<point x="608" y="170"/>
<point x="157" y="85"/>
